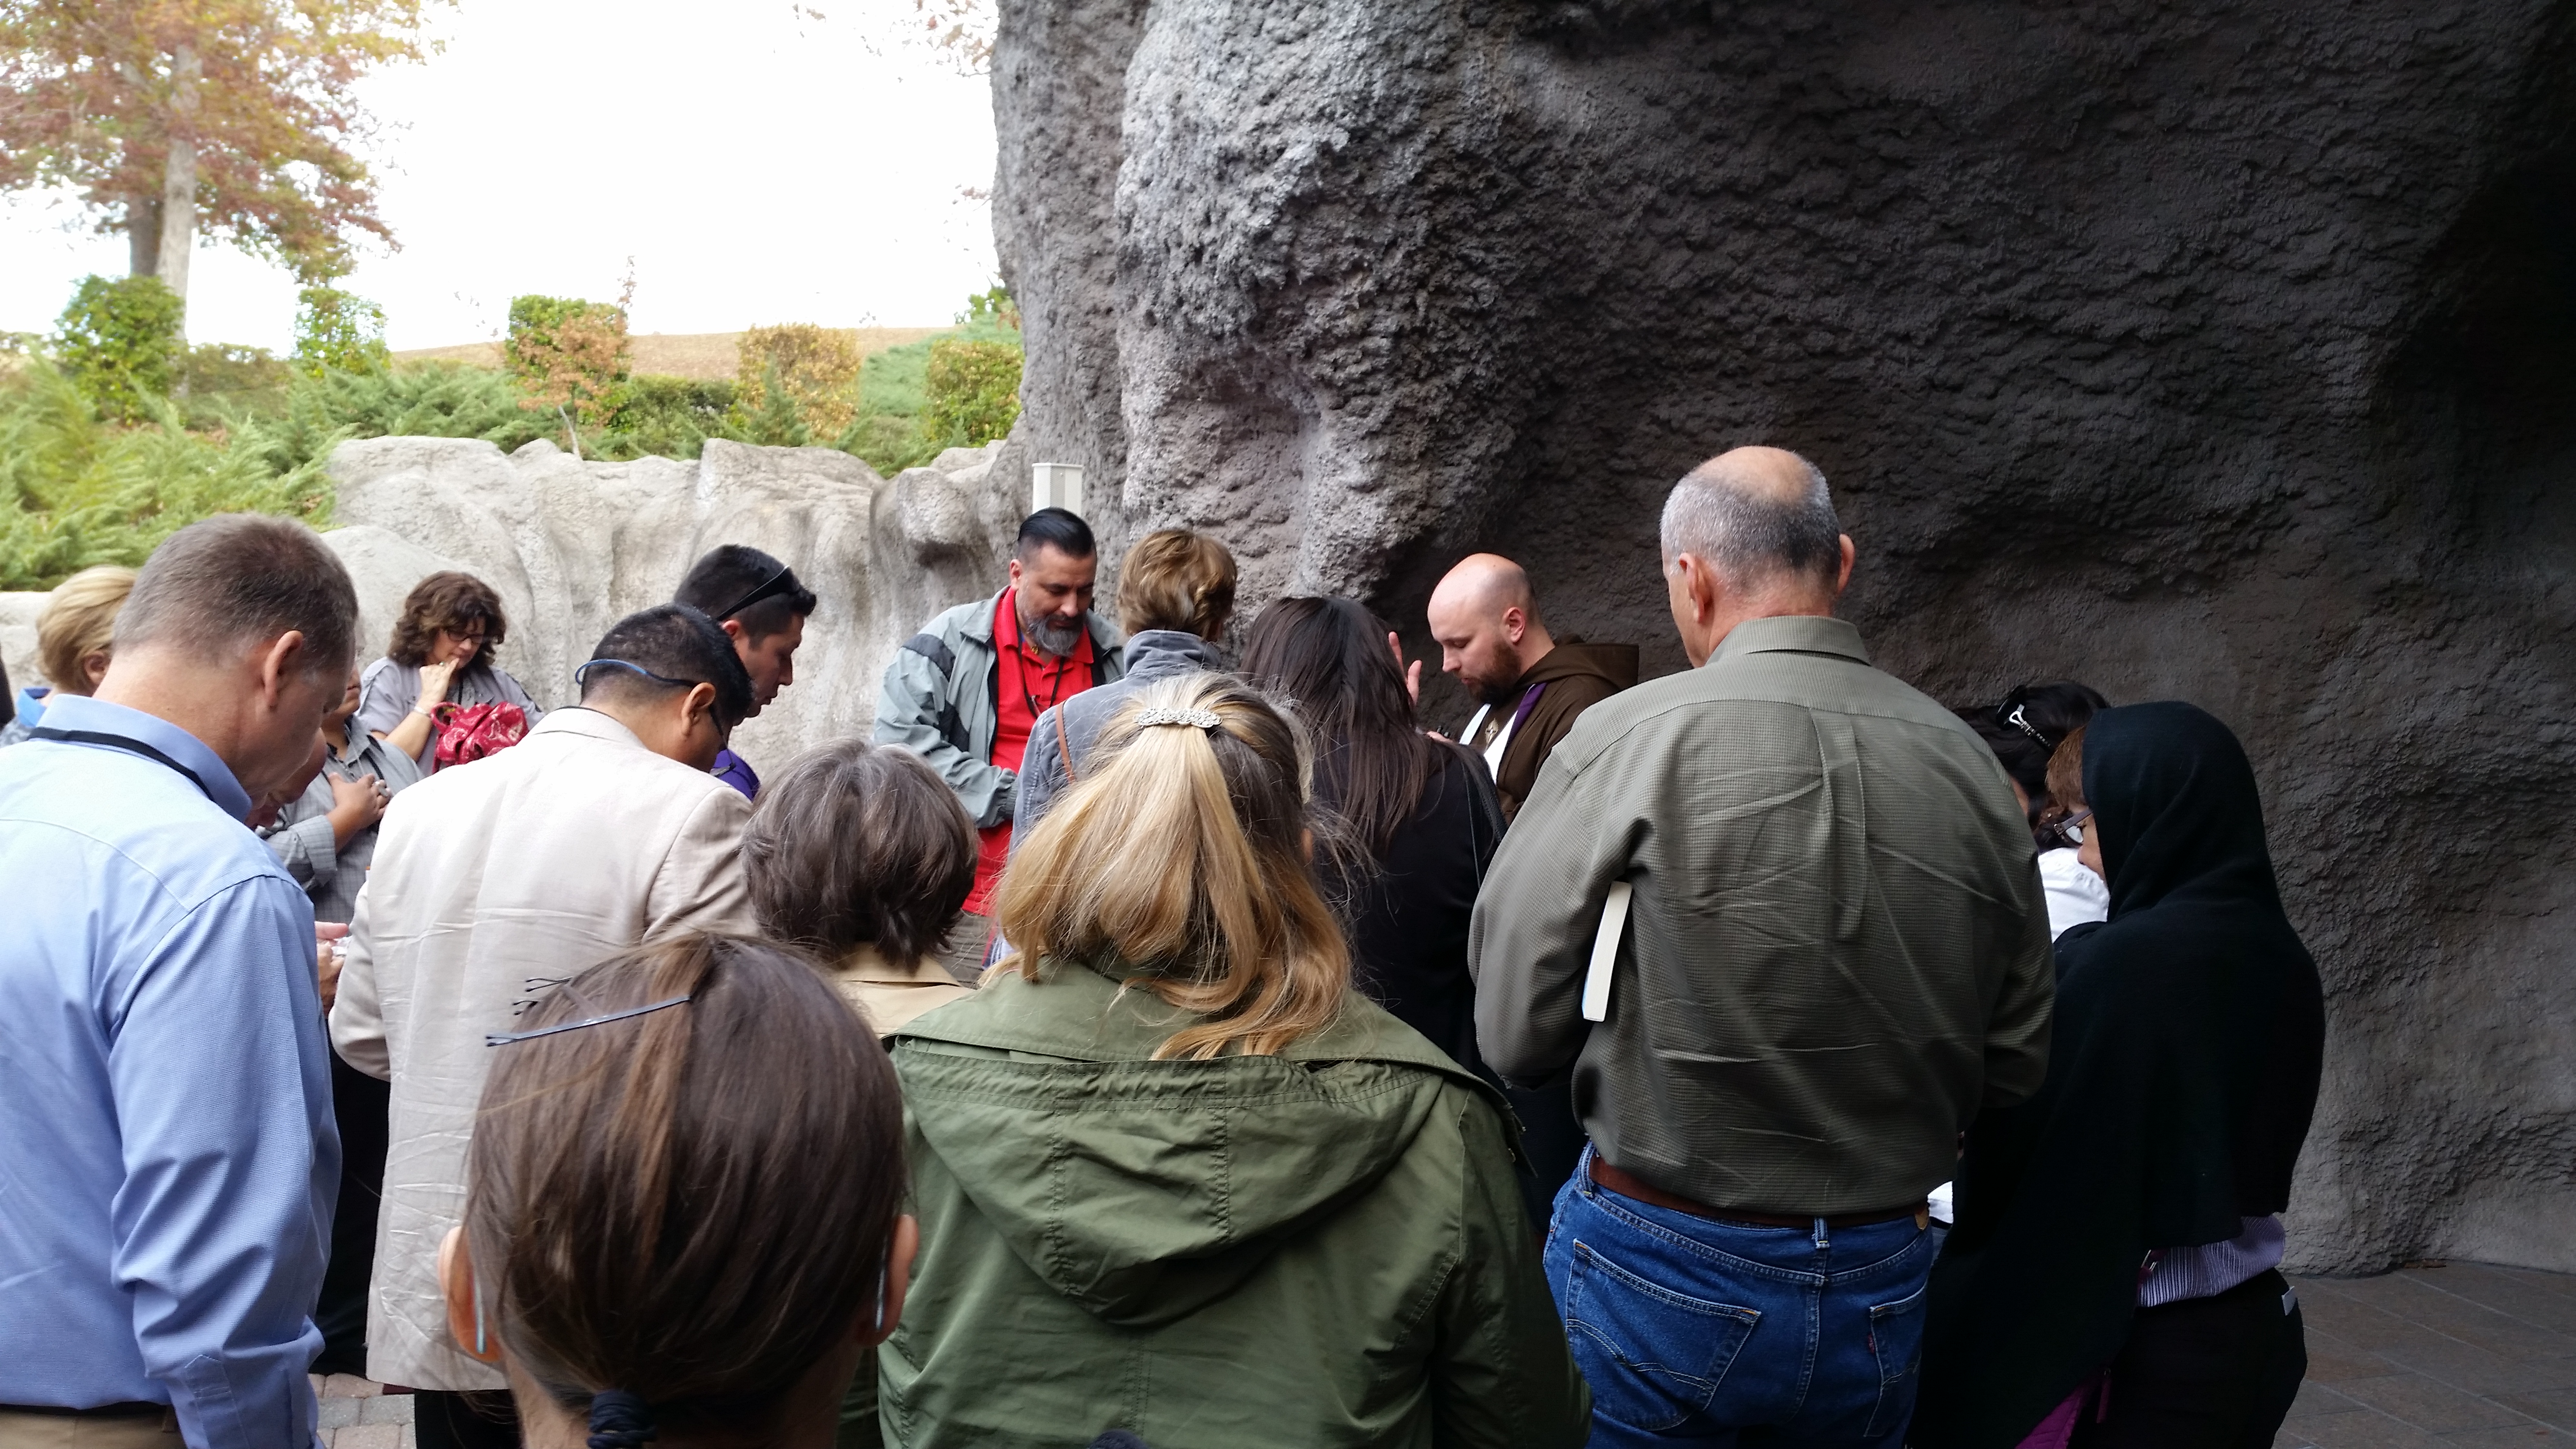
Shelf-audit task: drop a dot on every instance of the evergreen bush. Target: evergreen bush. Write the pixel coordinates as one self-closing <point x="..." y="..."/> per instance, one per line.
<point x="337" y="331"/>
<point x="120" y="344"/>
<point x="76" y="490"/>
<point x="817" y="369"/>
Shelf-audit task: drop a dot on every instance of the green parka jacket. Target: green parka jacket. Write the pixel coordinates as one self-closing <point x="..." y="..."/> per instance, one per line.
<point x="1321" y="1248"/>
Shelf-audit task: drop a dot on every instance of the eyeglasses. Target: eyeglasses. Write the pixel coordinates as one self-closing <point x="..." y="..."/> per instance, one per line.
<point x="2072" y="827"/>
<point x="724" y="732"/>
<point x="781" y="582"/>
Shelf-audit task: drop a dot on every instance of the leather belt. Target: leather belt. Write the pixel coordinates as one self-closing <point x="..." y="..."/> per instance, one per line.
<point x="1629" y="1185"/>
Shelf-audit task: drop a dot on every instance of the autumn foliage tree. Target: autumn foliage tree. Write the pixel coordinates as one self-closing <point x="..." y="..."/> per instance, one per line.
<point x="815" y="368"/>
<point x="230" y="116"/>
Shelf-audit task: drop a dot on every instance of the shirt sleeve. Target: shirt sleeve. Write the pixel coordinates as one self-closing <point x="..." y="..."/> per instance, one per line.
<point x="2017" y="1028"/>
<point x="308" y="849"/>
<point x="701" y="886"/>
<point x="908" y="713"/>
<point x="386" y="693"/>
<point x="357" y="1009"/>
<point x="1530" y="940"/>
<point x="222" y="1094"/>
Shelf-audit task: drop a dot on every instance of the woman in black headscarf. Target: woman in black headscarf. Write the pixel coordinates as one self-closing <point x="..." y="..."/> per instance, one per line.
<point x="2112" y="1280"/>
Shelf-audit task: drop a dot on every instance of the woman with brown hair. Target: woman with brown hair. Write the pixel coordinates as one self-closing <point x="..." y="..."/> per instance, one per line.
<point x="1173" y="1168"/>
<point x="682" y="1221"/>
<point x="861" y="855"/>
<point x="441" y="654"/>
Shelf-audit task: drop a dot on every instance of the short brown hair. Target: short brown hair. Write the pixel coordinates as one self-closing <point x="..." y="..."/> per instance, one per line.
<point x="1176" y="579"/>
<point x="693" y="1204"/>
<point x="451" y="601"/>
<point x="856" y="845"/>
<point x="2066" y="773"/>
<point x="79" y="621"/>
<point x="240" y="576"/>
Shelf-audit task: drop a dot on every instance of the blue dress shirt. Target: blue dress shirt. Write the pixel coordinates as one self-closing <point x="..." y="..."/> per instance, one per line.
<point x="167" y="1156"/>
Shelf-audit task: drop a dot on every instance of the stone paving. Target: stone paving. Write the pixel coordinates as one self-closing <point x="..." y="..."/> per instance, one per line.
<point x="2459" y="1355"/>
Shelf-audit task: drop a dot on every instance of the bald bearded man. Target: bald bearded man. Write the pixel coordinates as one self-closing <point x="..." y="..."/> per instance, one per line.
<point x="1529" y="689"/>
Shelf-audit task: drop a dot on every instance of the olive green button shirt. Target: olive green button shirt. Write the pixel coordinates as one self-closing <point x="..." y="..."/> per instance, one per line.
<point x="1837" y="950"/>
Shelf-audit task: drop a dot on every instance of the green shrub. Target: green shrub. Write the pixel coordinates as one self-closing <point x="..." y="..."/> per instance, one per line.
<point x="222" y="369"/>
<point x="568" y="355"/>
<point x="974" y="392"/>
<point x="424" y="400"/>
<point x="120" y="343"/>
<point x="774" y="421"/>
<point x="337" y="331"/>
<point x="76" y="491"/>
<point x="666" y="417"/>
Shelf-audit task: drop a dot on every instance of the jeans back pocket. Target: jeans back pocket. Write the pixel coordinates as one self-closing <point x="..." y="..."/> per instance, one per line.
<point x="1896" y="1339"/>
<point x="1653" y="1357"/>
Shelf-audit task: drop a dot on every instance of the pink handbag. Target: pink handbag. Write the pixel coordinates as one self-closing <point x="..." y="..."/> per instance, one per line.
<point x="468" y="732"/>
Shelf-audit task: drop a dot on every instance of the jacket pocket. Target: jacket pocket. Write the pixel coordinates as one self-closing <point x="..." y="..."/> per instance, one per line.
<point x="1653" y="1357"/>
<point x="1896" y="1339"/>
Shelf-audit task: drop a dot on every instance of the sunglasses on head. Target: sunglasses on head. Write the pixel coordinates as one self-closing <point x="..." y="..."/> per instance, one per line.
<point x="781" y="582"/>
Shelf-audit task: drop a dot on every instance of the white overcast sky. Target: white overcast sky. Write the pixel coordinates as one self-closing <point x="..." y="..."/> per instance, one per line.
<point x="759" y="165"/>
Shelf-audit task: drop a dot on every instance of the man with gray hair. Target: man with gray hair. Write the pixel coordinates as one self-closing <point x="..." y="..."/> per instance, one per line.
<point x="167" y="1154"/>
<point x="1800" y="904"/>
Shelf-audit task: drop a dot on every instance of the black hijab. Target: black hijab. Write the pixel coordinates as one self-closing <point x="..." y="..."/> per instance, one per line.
<point x="2186" y="1046"/>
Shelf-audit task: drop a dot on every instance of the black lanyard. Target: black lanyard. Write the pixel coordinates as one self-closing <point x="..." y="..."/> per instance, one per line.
<point x="120" y="742"/>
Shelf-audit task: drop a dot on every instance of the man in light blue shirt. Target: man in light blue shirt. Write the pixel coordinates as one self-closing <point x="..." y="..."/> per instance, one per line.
<point x="167" y="1155"/>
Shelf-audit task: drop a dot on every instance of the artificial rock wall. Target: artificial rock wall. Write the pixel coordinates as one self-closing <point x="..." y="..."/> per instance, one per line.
<point x="2193" y="349"/>
<point x="573" y="546"/>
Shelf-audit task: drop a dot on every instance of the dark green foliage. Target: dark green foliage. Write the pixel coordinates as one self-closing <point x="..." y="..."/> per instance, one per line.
<point x="974" y="392"/>
<point x="334" y="330"/>
<point x="773" y="422"/>
<point x="668" y="417"/>
<point x="120" y="344"/>
<point x="77" y="491"/>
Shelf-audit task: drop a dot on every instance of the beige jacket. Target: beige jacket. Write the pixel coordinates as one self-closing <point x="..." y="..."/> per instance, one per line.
<point x="494" y="882"/>
<point x="886" y="996"/>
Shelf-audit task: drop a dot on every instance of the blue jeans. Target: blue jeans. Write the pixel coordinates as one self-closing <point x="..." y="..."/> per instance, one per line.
<point x="1692" y="1331"/>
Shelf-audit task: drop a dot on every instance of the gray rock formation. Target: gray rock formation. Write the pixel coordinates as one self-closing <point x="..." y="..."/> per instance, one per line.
<point x="574" y="546"/>
<point x="2195" y="350"/>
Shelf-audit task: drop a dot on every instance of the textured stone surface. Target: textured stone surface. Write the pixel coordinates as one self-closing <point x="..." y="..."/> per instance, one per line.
<point x="2192" y="349"/>
<point x="573" y="546"/>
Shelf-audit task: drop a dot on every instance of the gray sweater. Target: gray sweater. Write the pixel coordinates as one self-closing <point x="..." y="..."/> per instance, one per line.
<point x="1153" y="654"/>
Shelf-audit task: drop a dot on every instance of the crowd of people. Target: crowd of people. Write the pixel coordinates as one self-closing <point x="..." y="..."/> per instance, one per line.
<point x="1140" y="1039"/>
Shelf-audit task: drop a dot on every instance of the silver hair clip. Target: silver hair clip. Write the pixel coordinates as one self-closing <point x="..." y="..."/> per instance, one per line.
<point x="499" y="1038"/>
<point x="1205" y="719"/>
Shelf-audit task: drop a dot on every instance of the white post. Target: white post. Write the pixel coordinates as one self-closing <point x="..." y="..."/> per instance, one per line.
<point x="1056" y="485"/>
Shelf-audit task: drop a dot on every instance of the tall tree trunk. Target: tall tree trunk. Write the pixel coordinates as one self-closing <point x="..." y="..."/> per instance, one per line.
<point x="179" y="176"/>
<point x="143" y="236"/>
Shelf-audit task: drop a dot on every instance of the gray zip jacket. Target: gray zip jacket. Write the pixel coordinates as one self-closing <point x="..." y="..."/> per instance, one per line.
<point x="1153" y="654"/>
<point x="941" y="700"/>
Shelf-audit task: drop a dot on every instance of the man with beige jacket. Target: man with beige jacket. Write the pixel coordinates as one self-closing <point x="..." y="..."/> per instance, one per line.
<point x="495" y="882"/>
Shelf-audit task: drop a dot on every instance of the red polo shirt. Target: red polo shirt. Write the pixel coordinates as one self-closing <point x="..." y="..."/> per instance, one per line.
<point x="1031" y="682"/>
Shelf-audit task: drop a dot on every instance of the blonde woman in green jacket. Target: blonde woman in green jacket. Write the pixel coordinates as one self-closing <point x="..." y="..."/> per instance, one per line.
<point x="1174" y="1177"/>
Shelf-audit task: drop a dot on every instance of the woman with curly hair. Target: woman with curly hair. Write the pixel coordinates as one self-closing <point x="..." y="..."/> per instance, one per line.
<point x="441" y="653"/>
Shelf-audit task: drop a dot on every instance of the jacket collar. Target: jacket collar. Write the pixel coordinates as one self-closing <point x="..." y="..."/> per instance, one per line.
<point x="1792" y="634"/>
<point x="78" y="713"/>
<point x="590" y="724"/>
<point x="1153" y="653"/>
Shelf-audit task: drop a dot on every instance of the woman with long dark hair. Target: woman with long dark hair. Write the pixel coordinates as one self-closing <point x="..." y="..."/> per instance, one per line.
<point x="1414" y="820"/>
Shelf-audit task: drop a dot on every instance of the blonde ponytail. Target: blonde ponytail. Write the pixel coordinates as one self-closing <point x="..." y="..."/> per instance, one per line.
<point x="1180" y="861"/>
